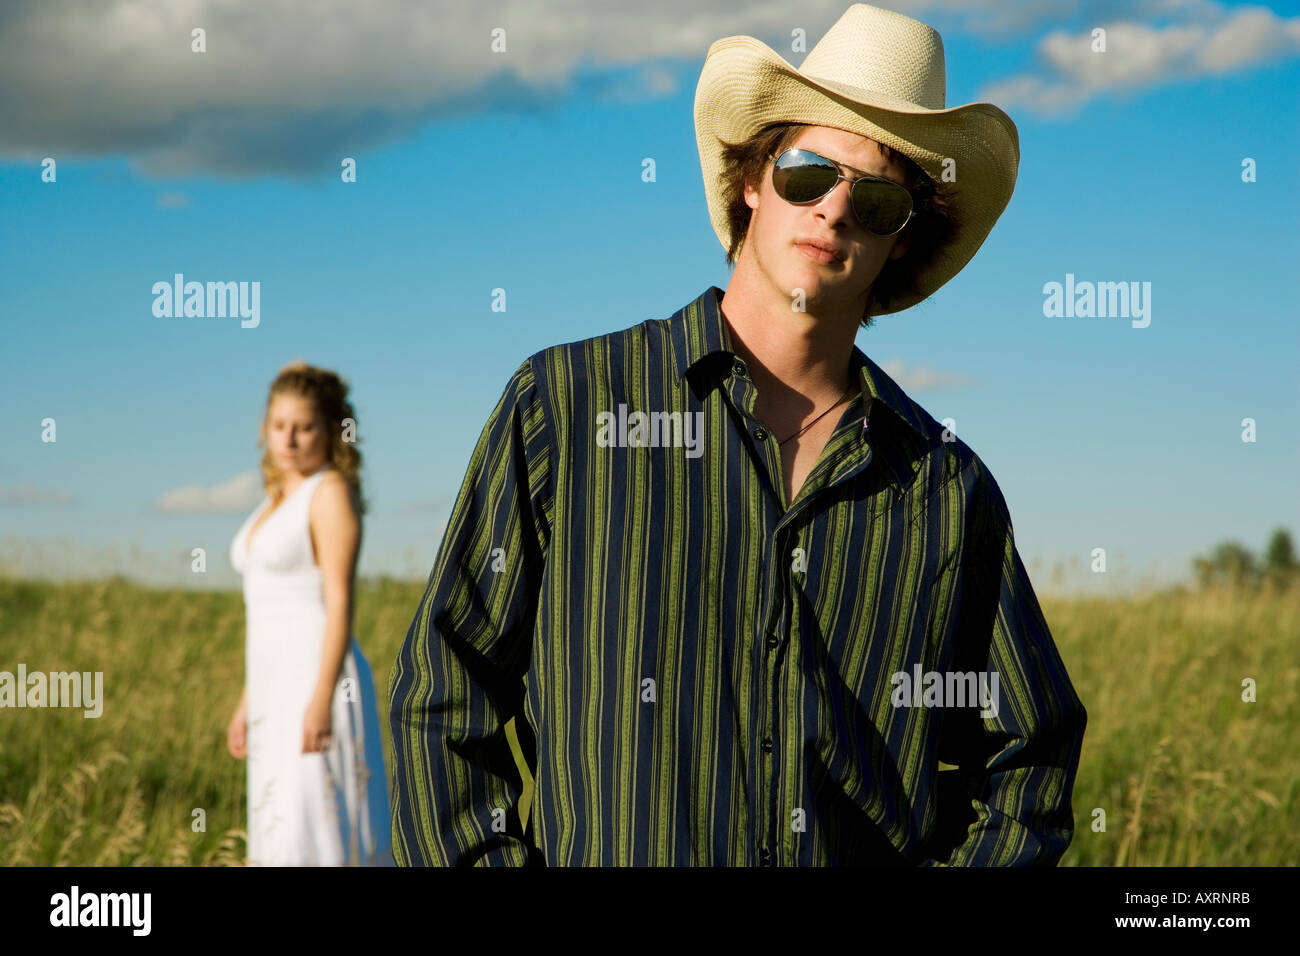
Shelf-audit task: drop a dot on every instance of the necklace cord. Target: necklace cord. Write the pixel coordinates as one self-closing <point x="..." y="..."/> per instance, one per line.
<point x="818" y="418"/>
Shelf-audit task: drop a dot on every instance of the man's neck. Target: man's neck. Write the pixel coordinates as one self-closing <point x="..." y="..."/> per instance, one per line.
<point x="796" y="354"/>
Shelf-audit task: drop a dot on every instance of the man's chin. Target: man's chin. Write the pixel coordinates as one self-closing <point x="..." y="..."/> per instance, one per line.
<point x="819" y="298"/>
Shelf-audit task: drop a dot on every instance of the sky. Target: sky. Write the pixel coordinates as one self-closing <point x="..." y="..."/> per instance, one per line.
<point x="1167" y="158"/>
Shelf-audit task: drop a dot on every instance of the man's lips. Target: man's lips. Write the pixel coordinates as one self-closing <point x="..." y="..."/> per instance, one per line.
<point x="818" y="251"/>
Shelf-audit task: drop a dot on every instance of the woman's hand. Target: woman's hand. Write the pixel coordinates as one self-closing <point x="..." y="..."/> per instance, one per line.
<point x="237" y="732"/>
<point x="316" y="727"/>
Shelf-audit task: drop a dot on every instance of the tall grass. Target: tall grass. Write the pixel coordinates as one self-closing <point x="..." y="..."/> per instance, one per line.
<point x="1185" y="771"/>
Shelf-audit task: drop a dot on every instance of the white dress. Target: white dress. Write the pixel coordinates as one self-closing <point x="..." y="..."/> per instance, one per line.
<point x="315" y="809"/>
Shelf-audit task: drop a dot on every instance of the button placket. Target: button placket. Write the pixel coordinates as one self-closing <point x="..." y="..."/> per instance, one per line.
<point x="742" y="394"/>
<point x="772" y="615"/>
<point x="776" y="621"/>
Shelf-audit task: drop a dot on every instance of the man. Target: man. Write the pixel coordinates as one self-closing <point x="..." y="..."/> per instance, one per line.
<point x="741" y="595"/>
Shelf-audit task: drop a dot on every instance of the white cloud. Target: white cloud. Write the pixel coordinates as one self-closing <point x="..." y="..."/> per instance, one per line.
<point x="292" y="88"/>
<point x="26" y="494"/>
<point x="1253" y="35"/>
<point x="990" y="17"/>
<point x="920" y="378"/>
<point x="238" y="494"/>
<point x="431" y="505"/>
<point x="1139" y="56"/>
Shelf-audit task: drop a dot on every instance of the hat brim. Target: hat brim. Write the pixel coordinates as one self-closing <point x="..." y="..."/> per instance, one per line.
<point x="745" y="86"/>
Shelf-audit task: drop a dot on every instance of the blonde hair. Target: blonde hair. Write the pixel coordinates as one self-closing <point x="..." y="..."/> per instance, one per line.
<point x="328" y="395"/>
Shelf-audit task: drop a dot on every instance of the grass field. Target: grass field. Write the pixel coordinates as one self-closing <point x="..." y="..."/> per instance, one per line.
<point x="1186" y="772"/>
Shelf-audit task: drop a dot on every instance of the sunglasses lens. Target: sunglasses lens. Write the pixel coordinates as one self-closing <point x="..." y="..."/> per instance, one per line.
<point x="882" y="207"/>
<point x="801" y="178"/>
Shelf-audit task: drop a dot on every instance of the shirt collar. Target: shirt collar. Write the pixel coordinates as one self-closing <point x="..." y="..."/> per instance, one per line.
<point x="698" y="331"/>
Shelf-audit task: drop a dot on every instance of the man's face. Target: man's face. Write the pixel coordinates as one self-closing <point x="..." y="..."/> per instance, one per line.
<point x="776" y="227"/>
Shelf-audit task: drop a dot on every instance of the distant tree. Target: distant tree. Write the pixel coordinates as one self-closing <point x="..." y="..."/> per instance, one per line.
<point x="1280" y="555"/>
<point x="1235" y="564"/>
<point x="1232" y="564"/>
<point x="1204" y="571"/>
<point x="1279" y="560"/>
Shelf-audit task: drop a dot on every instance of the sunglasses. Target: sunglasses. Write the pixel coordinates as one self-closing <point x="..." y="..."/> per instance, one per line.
<point x="801" y="176"/>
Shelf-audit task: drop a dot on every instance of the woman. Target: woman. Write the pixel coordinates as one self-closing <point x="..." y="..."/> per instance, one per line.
<point x="307" y="720"/>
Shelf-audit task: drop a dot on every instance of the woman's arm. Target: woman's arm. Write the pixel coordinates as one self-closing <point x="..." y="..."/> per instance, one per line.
<point x="336" y="531"/>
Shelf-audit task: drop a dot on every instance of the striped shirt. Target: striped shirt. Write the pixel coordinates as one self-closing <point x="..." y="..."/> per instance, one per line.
<point x="703" y="675"/>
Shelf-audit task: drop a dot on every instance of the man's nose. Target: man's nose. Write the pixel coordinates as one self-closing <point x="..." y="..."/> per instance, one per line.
<point x="837" y="205"/>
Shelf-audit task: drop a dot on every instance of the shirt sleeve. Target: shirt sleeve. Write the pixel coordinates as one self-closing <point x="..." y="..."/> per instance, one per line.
<point x="459" y="675"/>
<point x="1015" y="769"/>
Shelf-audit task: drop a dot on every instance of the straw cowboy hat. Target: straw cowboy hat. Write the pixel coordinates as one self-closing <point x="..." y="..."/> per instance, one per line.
<point x="881" y="75"/>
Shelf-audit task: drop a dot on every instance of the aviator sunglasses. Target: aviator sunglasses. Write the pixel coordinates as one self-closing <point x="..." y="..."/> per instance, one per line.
<point x="801" y="176"/>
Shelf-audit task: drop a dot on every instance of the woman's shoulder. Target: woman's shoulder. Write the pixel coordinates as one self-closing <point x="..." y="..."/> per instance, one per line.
<point x="332" y="491"/>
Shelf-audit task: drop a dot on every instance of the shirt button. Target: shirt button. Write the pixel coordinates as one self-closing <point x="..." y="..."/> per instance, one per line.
<point x="760" y="433"/>
<point x="739" y="368"/>
<point x="765" y="857"/>
<point x="767" y="745"/>
<point x="772" y="640"/>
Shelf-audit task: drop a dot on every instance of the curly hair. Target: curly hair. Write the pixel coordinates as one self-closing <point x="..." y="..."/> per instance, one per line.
<point x="328" y="395"/>
<point x="933" y="225"/>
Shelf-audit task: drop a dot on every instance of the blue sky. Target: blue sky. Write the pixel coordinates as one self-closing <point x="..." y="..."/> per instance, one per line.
<point x="522" y="171"/>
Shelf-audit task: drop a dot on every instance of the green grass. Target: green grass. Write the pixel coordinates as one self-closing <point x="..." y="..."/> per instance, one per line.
<point x="1186" y="772"/>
